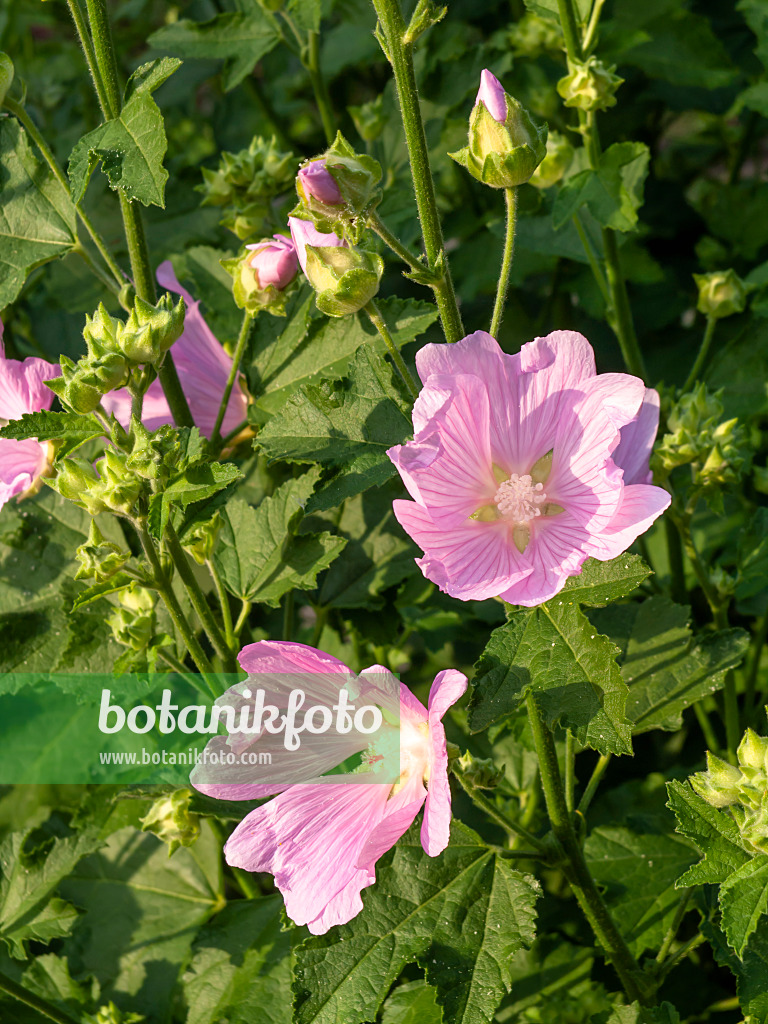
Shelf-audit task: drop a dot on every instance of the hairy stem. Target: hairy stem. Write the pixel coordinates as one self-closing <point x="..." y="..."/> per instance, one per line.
<point x="400" y="55"/>
<point x="319" y="87"/>
<point x="570" y="770"/>
<point x="409" y="258"/>
<point x="576" y="870"/>
<point x="594" y="781"/>
<point x="510" y="195"/>
<point x="237" y="358"/>
<point x="374" y="314"/>
<point x="490" y="808"/>
<point x="701" y="357"/>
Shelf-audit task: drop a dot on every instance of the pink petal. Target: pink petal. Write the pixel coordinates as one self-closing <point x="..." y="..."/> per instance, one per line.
<point x="447" y="688"/>
<point x="557" y="550"/>
<point x="21" y="463"/>
<point x="637" y="437"/>
<point x="304" y="233"/>
<point x="21" y="386"/>
<point x="472" y="561"/>
<point x="491" y="93"/>
<point x="282" y="656"/>
<point x="401" y="810"/>
<point x="640" y="506"/>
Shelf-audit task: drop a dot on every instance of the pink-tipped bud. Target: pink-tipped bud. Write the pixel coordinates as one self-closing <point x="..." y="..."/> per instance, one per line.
<point x="275" y="262"/>
<point x="491" y="93"/>
<point x="304" y="233"/>
<point x="317" y="182"/>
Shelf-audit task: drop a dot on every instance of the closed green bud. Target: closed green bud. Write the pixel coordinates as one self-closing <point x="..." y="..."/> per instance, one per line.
<point x="6" y="75"/>
<point x="99" y="559"/>
<point x="505" y="144"/>
<point x="559" y="158"/>
<point x="80" y="396"/>
<point x="119" y="488"/>
<point x="753" y="752"/>
<point x="133" y="623"/>
<point x="154" y="454"/>
<point x="107" y="373"/>
<point x="200" y="540"/>
<point x="77" y="480"/>
<point x="721" y="293"/>
<point x="590" y="85"/>
<point x="101" y="332"/>
<point x="480" y="772"/>
<point x="344" y="279"/>
<point x="719" y="784"/>
<point x="170" y="819"/>
<point x="151" y="330"/>
<point x="109" y="1014"/>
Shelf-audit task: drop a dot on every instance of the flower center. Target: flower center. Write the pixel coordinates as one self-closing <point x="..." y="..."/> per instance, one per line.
<point x="519" y="499"/>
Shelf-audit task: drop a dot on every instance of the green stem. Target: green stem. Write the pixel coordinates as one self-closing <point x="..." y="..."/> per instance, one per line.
<point x="378" y="322"/>
<point x="490" y="808"/>
<point x="594" y="781"/>
<point x="322" y="98"/>
<point x="35" y="1002"/>
<point x="683" y="951"/>
<point x="226" y="611"/>
<point x="570" y="770"/>
<point x="401" y="57"/>
<point x="86" y="42"/>
<point x="703" y="352"/>
<point x="174" y="608"/>
<point x="173" y="662"/>
<point x="237" y="358"/>
<point x="589" y="249"/>
<point x="198" y="599"/>
<point x="410" y="258"/>
<point x="570" y="25"/>
<point x="591" y="30"/>
<point x="669" y="938"/>
<point x="245" y="611"/>
<point x="576" y="870"/>
<point x="31" y="129"/>
<point x="623" y="325"/>
<point x="137" y="405"/>
<point x="510" y="195"/>
<point x="288" y="616"/>
<point x="706" y="727"/>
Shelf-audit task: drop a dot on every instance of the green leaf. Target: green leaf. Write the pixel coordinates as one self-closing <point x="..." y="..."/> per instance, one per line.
<point x="119" y="581"/>
<point x="145" y="908"/>
<point x="240" y="967"/>
<point x="347" y="481"/>
<point x="637" y="873"/>
<point x="413" y="1003"/>
<point x="257" y="554"/>
<point x="556" y="652"/>
<point x="131" y="146"/>
<point x="461" y="916"/>
<point x="378" y="554"/>
<point x="753" y="557"/>
<point x="634" y="1013"/>
<point x="335" y="422"/>
<point x="306" y="14"/>
<point x="744" y="901"/>
<point x="682" y="48"/>
<point x="50" y="426"/>
<point x="37" y="219"/>
<point x="713" y="831"/>
<point x="239" y="39"/>
<point x="198" y="482"/>
<point x="600" y="582"/>
<point x="665" y="667"/>
<point x="751" y="971"/>
<point x="756" y="17"/>
<point x="613" y="192"/>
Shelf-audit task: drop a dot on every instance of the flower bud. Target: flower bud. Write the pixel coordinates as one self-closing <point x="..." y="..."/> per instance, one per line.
<point x="101" y="332"/>
<point x="590" y="85"/>
<point x="109" y="1014"/>
<point x="200" y="540"/>
<point x="719" y="784"/>
<point x="6" y="75"/>
<point x="480" y="772"/>
<point x="169" y="818"/>
<point x="107" y="373"/>
<point x="119" y="488"/>
<point x="99" y="560"/>
<point x="79" y="395"/>
<point x="315" y="181"/>
<point x="721" y="293"/>
<point x="261" y="274"/>
<point x="559" y="157"/>
<point x="155" y="454"/>
<point x="77" y="480"/>
<point x="753" y="752"/>
<point x="505" y="145"/>
<point x="344" y="279"/>
<point x="133" y="624"/>
<point x="151" y="330"/>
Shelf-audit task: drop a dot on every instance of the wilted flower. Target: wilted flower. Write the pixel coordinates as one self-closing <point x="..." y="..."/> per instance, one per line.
<point x="22" y="390"/>
<point x="523" y="466"/>
<point x="505" y="145"/>
<point x="321" y="840"/>
<point x="203" y="367"/>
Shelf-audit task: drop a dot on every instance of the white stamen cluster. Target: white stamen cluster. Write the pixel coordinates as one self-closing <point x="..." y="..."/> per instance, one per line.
<point x="519" y="499"/>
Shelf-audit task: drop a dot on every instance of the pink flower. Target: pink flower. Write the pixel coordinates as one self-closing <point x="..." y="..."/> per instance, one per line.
<point x="22" y="463"/>
<point x="203" y="367"/>
<point x="305" y="233"/>
<point x="315" y="180"/>
<point x="523" y="466"/>
<point x="491" y="93"/>
<point x="321" y="840"/>
<point x="275" y="263"/>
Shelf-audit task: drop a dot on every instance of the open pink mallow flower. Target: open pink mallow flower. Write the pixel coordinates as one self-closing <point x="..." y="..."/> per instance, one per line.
<point x="203" y="367"/>
<point x="522" y="466"/>
<point x="304" y="233"/>
<point x="23" y="464"/>
<point x="274" y="261"/>
<point x="321" y="839"/>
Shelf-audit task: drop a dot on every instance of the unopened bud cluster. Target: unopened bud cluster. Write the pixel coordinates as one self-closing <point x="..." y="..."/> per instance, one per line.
<point x="171" y="820"/>
<point x="99" y="559"/>
<point x="743" y="789"/>
<point x="589" y="85"/>
<point x="133" y="624"/>
<point x="116" y="349"/>
<point x="245" y="184"/>
<point x="717" y="449"/>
